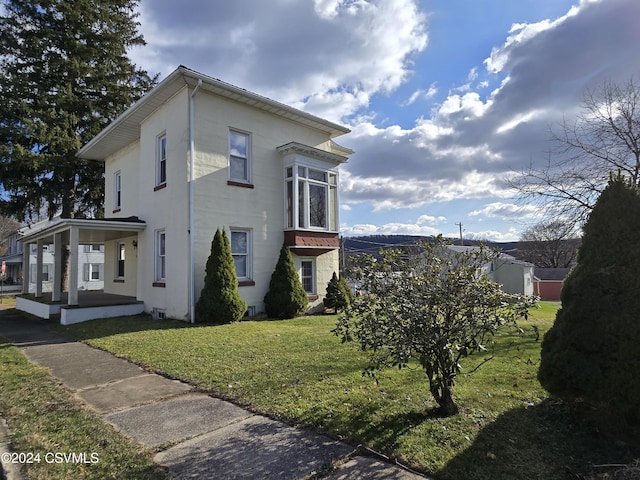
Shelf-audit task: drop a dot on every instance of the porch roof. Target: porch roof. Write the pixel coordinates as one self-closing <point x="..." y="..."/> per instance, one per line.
<point x="90" y="230"/>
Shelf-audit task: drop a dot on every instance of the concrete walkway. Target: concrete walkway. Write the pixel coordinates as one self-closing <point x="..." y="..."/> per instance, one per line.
<point x="197" y="436"/>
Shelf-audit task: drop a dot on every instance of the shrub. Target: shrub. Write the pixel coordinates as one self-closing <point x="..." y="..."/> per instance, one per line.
<point x="219" y="300"/>
<point x="591" y="352"/>
<point x="286" y="297"/>
<point x="426" y="307"/>
<point x="339" y="295"/>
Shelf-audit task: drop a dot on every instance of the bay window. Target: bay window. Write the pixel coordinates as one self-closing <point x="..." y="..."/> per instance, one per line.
<point x="311" y="198"/>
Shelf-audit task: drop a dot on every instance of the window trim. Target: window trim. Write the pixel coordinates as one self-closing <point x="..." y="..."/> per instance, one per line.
<point x="160" y="258"/>
<point x="247" y="279"/>
<point x="120" y="249"/>
<point x="297" y="199"/>
<point x="236" y="181"/>
<point x="312" y="261"/>
<point x="161" y="161"/>
<point x="117" y="191"/>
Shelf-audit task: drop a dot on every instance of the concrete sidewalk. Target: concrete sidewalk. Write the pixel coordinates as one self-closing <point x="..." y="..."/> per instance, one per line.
<point x="197" y="436"/>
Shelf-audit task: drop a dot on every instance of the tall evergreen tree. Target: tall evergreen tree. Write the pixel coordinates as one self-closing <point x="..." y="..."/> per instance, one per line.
<point x="286" y="297"/>
<point x="219" y="300"/>
<point x="591" y="352"/>
<point x="64" y="76"/>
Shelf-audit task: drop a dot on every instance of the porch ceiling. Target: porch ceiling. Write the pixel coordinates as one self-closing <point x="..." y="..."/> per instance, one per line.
<point x="89" y="230"/>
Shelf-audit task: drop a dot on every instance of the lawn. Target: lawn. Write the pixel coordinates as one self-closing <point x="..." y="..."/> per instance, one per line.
<point x="46" y="420"/>
<point x="296" y="370"/>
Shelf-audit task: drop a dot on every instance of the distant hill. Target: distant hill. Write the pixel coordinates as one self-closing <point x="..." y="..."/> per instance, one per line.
<point x="372" y="243"/>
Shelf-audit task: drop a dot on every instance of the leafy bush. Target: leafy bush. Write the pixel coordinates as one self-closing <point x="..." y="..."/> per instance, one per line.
<point x="430" y="307"/>
<point x="220" y="302"/>
<point x="591" y="352"/>
<point x="286" y="297"/>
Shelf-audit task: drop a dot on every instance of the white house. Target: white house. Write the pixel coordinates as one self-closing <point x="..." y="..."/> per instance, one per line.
<point x="90" y="275"/>
<point x="196" y="154"/>
<point x="514" y="275"/>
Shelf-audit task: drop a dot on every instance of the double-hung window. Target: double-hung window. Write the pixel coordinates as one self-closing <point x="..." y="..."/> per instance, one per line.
<point x="161" y="160"/>
<point x="241" y="252"/>
<point x="239" y="156"/>
<point x="307" y="275"/>
<point x="311" y="198"/>
<point x="160" y="250"/>
<point x="117" y="191"/>
<point x="120" y="252"/>
<point x="92" y="272"/>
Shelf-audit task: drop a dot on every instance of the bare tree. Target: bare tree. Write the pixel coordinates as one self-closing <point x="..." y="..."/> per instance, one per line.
<point x="550" y="244"/>
<point x="604" y="138"/>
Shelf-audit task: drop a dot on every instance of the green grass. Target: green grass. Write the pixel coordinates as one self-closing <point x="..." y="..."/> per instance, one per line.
<point x="44" y="417"/>
<point x="296" y="370"/>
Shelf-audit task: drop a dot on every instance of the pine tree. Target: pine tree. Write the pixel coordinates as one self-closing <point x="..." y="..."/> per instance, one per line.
<point x="64" y="76"/>
<point x="219" y="300"/>
<point x="591" y="352"/>
<point x="286" y="297"/>
<point x="339" y="295"/>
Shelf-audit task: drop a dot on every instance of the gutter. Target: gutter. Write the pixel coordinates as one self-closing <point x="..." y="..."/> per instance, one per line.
<point x="192" y="282"/>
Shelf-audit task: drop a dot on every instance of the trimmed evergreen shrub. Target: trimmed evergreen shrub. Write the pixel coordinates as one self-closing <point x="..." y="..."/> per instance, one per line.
<point x="286" y="297"/>
<point x="219" y="300"/>
<point x="591" y="353"/>
<point x="339" y="295"/>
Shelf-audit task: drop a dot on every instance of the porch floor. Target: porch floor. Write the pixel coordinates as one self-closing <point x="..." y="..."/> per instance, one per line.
<point x="92" y="304"/>
<point x="86" y="298"/>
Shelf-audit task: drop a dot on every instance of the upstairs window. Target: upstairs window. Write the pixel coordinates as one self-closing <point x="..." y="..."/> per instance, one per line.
<point x="161" y="160"/>
<point x="311" y="198"/>
<point x="239" y="156"/>
<point x="117" y="191"/>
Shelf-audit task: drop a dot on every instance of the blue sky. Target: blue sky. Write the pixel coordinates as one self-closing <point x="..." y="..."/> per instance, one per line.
<point x="445" y="98"/>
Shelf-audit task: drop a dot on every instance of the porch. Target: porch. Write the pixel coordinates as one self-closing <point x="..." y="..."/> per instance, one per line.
<point x="92" y="304"/>
<point x="75" y="305"/>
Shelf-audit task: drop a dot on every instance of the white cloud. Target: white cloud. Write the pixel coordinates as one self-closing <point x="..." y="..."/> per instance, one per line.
<point x="508" y="211"/>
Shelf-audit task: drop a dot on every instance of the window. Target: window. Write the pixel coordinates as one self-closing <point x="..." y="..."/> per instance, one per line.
<point x="316" y="194"/>
<point x="241" y="252"/>
<point x="160" y="269"/>
<point x="117" y="190"/>
<point x="307" y="276"/>
<point x="92" y="272"/>
<point x="239" y="157"/>
<point x="120" y="252"/>
<point x="161" y="160"/>
<point x="47" y="271"/>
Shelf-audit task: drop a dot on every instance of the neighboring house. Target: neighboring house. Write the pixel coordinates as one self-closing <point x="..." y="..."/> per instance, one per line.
<point x="548" y="282"/>
<point x="514" y="275"/>
<point x="12" y="260"/>
<point x="196" y="154"/>
<point x="90" y="271"/>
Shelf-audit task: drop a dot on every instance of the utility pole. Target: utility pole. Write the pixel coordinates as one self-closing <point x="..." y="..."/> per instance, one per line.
<point x="461" y="240"/>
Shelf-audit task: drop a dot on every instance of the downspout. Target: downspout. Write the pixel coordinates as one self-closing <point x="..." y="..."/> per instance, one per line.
<point x="192" y="282"/>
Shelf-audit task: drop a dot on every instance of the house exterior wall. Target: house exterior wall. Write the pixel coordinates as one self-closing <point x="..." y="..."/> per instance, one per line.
<point x="514" y="278"/>
<point x="162" y="208"/>
<point x="259" y="209"/>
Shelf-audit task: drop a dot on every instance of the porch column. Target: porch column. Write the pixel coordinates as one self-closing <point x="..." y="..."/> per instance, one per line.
<point x="74" y="237"/>
<point x="26" y="250"/>
<point x="39" y="247"/>
<point x="57" y="268"/>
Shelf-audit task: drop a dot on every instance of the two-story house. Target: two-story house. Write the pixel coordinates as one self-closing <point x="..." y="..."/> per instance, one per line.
<point x="196" y="154"/>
